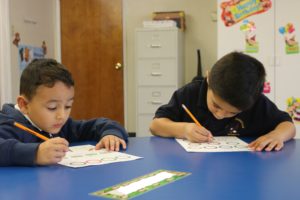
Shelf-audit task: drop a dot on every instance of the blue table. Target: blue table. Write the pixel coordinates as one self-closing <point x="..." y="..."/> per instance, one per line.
<point x="237" y="175"/>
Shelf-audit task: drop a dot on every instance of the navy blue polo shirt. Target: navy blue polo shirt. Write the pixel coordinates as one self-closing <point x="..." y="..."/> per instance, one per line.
<point x="258" y="120"/>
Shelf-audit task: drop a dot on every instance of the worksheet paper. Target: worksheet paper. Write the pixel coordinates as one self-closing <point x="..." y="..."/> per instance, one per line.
<point x="86" y="155"/>
<point x="219" y="144"/>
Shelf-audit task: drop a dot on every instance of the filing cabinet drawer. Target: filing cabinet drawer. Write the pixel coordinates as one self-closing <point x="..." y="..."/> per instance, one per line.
<point x="150" y="98"/>
<point x="143" y="124"/>
<point x="151" y="44"/>
<point x="157" y="72"/>
<point x="158" y="69"/>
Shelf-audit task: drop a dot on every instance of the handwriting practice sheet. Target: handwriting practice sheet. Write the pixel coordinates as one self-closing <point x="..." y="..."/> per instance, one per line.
<point x="219" y="144"/>
<point x="86" y="155"/>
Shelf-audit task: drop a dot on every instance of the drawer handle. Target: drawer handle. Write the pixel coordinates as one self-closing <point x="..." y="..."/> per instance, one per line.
<point x="155" y="45"/>
<point x="156" y="74"/>
<point x="156" y="102"/>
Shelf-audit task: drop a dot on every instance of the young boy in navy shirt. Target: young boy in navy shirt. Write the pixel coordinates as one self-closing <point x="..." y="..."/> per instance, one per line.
<point x="229" y="101"/>
<point x="44" y="105"/>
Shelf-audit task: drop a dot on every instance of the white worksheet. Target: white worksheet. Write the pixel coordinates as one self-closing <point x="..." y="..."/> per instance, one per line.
<point x="86" y="155"/>
<point x="219" y="144"/>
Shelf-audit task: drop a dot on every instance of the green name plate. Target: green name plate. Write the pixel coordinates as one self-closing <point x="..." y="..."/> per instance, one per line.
<point x="140" y="185"/>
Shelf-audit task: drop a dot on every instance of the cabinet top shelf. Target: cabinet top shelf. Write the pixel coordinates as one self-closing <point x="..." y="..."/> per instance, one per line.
<point x="158" y="29"/>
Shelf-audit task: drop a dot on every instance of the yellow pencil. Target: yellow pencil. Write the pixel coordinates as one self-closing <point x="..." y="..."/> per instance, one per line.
<point x="191" y="115"/>
<point x="28" y="130"/>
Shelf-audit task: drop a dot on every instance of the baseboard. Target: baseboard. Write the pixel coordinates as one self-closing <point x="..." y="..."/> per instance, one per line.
<point x="131" y="134"/>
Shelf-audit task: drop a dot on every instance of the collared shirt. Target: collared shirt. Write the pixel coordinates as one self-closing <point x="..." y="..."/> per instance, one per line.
<point x="33" y="124"/>
<point x="27" y="117"/>
<point x="258" y="120"/>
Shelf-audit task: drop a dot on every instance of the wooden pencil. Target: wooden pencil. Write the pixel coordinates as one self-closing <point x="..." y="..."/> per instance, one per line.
<point x="28" y="130"/>
<point x="191" y="115"/>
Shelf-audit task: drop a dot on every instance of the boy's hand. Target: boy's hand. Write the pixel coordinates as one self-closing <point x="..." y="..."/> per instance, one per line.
<point x="52" y="151"/>
<point x="194" y="133"/>
<point x="267" y="142"/>
<point x="111" y="143"/>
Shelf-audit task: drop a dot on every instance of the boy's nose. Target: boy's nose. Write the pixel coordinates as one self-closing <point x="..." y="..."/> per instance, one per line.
<point x="220" y="114"/>
<point x="60" y="114"/>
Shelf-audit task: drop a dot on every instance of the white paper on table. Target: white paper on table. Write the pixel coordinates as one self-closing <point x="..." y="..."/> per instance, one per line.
<point x="86" y="155"/>
<point x="219" y="144"/>
<point x="135" y="186"/>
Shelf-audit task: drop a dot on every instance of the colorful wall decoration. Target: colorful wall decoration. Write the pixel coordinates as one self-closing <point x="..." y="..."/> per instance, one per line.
<point x="289" y="33"/>
<point x="28" y="53"/>
<point x="234" y="11"/>
<point x="251" y="45"/>
<point x="293" y="108"/>
<point x="267" y="87"/>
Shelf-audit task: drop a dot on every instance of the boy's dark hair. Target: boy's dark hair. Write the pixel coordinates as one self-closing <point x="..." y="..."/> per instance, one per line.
<point x="43" y="72"/>
<point x="238" y="79"/>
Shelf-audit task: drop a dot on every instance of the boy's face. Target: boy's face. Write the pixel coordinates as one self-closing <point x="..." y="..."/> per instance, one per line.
<point x="49" y="108"/>
<point x="218" y="107"/>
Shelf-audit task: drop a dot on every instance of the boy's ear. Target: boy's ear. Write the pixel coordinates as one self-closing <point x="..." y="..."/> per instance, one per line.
<point x="23" y="104"/>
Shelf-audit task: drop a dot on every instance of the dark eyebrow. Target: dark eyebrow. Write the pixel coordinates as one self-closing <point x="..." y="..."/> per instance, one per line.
<point x="54" y="101"/>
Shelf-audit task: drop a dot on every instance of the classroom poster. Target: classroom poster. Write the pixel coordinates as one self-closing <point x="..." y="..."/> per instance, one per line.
<point x="289" y="34"/>
<point x="293" y="108"/>
<point x="27" y="53"/>
<point x="251" y="44"/>
<point x="234" y="11"/>
<point x="267" y="87"/>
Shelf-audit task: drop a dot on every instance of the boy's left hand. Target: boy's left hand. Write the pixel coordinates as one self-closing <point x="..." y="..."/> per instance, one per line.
<point x="267" y="142"/>
<point x="111" y="143"/>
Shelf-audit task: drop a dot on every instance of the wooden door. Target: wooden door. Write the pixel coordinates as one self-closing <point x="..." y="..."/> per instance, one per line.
<point x="91" y="36"/>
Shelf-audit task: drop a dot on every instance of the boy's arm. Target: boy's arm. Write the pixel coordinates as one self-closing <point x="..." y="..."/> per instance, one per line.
<point x="285" y="131"/>
<point x="15" y="147"/>
<point x="275" y="139"/>
<point x="13" y="152"/>
<point x="94" y="129"/>
<point x="167" y="128"/>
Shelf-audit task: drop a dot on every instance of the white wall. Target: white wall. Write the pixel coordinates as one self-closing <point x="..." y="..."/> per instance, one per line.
<point x="201" y="33"/>
<point x="35" y="21"/>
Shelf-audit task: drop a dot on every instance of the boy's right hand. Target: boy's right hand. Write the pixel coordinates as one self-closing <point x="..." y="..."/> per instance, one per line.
<point x="52" y="151"/>
<point x="194" y="133"/>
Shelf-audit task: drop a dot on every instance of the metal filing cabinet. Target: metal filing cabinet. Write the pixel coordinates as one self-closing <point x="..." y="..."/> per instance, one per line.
<point x="159" y="71"/>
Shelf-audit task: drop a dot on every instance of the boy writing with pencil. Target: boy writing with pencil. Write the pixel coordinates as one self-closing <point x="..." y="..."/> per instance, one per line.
<point x="38" y="129"/>
<point x="229" y="101"/>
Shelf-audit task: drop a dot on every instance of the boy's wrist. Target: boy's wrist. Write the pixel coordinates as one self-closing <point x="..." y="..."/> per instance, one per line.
<point x="36" y="155"/>
<point x="275" y="134"/>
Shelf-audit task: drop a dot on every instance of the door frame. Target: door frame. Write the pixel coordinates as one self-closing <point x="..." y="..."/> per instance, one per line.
<point x="5" y="54"/>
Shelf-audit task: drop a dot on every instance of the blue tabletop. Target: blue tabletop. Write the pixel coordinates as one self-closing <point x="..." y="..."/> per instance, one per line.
<point x="236" y="175"/>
